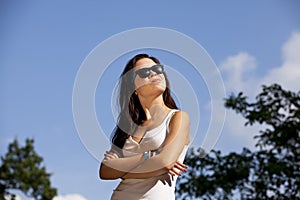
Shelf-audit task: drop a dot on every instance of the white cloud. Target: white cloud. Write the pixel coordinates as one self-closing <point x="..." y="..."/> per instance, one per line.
<point x="70" y="197"/>
<point x="288" y="74"/>
<point x="237" y="70"/>
<point x="291" y="48"/>
<point x="239" y="74"/>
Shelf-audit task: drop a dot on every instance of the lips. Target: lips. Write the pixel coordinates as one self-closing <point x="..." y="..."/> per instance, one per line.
<point x="155" y="80"/>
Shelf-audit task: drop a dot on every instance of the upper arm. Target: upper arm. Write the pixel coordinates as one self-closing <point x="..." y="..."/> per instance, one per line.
<point x="178" y="137"/>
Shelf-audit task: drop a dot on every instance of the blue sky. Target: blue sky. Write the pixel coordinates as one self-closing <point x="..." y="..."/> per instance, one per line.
<point x="44" y="43"/>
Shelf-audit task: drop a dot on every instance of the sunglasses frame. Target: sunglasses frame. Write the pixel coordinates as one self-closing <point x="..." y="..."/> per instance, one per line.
<point x="148" y="69"/>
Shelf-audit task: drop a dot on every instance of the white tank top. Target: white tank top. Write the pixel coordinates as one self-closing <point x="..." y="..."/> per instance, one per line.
<point x="154" y="188"/>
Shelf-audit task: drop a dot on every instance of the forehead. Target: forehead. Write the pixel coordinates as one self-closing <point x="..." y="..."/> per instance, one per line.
<point x="144" y="62"/>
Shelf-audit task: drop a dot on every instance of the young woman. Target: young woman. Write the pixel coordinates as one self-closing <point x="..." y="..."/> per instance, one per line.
<point x="151" y="137"/>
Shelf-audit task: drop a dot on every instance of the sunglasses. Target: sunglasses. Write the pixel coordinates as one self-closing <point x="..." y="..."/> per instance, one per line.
<point x="145" y="72"/>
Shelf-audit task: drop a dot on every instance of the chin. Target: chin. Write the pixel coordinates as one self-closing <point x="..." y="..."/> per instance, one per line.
<point x="150" y="91"/>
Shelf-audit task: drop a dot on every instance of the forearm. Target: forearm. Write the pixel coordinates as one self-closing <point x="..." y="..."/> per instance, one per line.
<point x="117" y="168"/>
<point x="145" y="175"/>
<point x="153" y="166"/>
<point x="141" y="168"/>
<point x="173" y="170"/>
<point x="124" y="164"/>
<point x="132" y="167"/>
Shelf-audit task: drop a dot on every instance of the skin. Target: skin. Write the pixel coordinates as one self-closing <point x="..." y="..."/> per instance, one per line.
<point x="149" y="91"/>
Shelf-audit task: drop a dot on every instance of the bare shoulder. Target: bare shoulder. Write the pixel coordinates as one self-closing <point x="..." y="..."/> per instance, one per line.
<point x="179" y="126"/>
<point x="180" y="117"/>
<point x="179" y="121"/>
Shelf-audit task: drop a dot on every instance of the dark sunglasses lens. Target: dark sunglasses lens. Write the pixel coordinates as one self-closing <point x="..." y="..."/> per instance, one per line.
<point x="143" y="73"/>
<point x="159" y="69"/>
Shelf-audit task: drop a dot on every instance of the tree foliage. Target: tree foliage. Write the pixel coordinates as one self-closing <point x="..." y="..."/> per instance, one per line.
<point x="22" y="169"/>
<point x="270" y="172"/>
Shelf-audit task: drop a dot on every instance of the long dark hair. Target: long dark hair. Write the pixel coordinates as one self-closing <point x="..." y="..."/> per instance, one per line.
<point x="131" y="110"/>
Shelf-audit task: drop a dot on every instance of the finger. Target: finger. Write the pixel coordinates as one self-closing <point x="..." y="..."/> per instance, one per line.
<point x="174" y="172"/>
<point x="181" y="164"/>
<point x="181" y="168"/>
<point x="112" y="154"/>
<point x="171" y="173"/>
<point x="108" y="157"/>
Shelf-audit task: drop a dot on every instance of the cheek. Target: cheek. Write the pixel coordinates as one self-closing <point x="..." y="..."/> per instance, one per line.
<point x="138" y="83"/>
<point x="164" y="81"/>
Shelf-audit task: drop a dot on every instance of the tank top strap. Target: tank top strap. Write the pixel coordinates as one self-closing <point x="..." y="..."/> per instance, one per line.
<point x="170" y="115"/>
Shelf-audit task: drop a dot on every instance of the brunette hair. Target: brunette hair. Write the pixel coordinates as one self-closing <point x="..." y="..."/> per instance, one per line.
<point x="131" y="111"/>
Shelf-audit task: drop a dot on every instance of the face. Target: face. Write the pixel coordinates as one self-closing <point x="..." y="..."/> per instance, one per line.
<point x="154" y="82"/>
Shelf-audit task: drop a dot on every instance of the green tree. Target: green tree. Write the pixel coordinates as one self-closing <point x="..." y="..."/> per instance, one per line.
<point x="270" y="172"/>
<point x="22" y="169"/>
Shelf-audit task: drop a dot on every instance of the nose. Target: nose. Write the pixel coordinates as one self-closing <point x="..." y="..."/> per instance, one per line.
<point x="152" y="73"/>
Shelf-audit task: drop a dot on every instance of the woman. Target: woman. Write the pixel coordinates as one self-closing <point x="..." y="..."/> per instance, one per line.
<point x="151" y="137"/>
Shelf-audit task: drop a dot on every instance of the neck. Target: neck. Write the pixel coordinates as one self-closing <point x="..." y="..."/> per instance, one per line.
<point x="148" y="103"/>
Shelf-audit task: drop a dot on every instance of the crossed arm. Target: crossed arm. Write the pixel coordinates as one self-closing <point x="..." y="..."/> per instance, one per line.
<point x="114" y="167"/>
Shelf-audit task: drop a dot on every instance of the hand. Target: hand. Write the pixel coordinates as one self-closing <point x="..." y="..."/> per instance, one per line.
<point x="177" y="168"/>
<point x="110" y="155"/>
